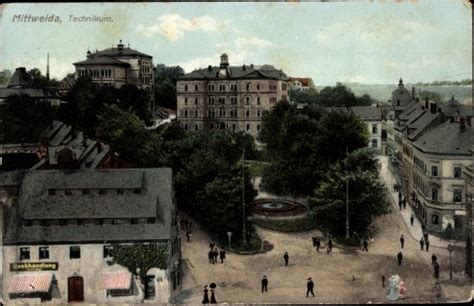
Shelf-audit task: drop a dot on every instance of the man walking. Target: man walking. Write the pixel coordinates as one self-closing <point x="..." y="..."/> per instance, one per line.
<point x="314" y="241"/>
<point x="215" y="254"/>
<point x="436" y="269"/>
<point x="412" y="219"/>
<point x="309" y="287"/>
<point x="433" y="259"/>
<point x="365" y="243"/>
<point x="329" y="246"/>
<point x="427" y="244"/>
<point x="402" y="241"/>
<point x="210" y="256"/>
<point x="264" y="284"/>
<point x="383" y="280"/>
<point x="318" y="244"/>
<point x="286" y="257"/>
<point x="422" y="243"/>
<point x="399" y="258"/>
<point x="222" y="255"/>
<point x="400" y="204"/>
<point x="404" y="203"/>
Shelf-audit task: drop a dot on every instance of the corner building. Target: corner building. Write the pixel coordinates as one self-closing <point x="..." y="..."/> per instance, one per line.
<point x="229" y="97"/>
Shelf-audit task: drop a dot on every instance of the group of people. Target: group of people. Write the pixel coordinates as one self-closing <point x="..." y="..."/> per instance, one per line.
<point x="186" y="224"/>
<point x="317" y="244"/>
<point x="425" y="242"/>
<point x="214" y="253"/>
<point x="309" y="285"/>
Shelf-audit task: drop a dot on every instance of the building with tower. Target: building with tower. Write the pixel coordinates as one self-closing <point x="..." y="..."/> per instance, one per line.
<point x="118" y="66"/>
<point x="229" y="97"/>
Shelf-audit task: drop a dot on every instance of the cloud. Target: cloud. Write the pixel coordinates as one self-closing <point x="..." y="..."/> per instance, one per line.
<point x="173" y="26"/>
<point x="252" y="42"/>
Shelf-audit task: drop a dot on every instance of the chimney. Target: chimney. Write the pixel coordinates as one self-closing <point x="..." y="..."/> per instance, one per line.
<point x="462" y="125"/>
<point x="244" y="67"/>
<point x="439" y="109"/>
<point x="413" y="93"/>
<point x="427" y="103"/>
<point x="209" y="68"/>
<point x="120" y="46"/>
<point x="469" y="120"/>
<point x="47" y="67"/>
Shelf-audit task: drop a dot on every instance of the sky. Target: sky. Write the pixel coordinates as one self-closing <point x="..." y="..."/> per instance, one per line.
<point x="366" y="42"/>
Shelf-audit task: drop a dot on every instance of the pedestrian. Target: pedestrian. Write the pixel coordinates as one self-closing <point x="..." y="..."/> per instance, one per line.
<point x="436" y="269"/>
<point x="365" y="243"/>
<point x="399" y="196"/>
<point x="400" y="257"/>
<point x="404" y="203"/>
<point x="427" y="244"/>
<point x="205" y="299"/>
<point x="222" y="255"/>
<point x="264" y="284"/>
<point x="309" y="287"/>
<point x="213" y="297"/>
<point x="402" y="241"/>
<point x="318" y="244"/>
<point x="425" y="235"/>
<point x="188" y="236"/>
<point x="216" y="254"/>
<point x="383" y="280"/>
<point x="400" y="204"/>
<point x="212" y="244"/>
<point x="412" y="219"/>
<point x="210" y="256"/>
<point x="286" y="257"/>
<point x="314" y="241"/>
<point x="422" y="243"/>
<point x="190" y="224"/>
<point x="329" y="246"/>
<point x="433" y="259"/>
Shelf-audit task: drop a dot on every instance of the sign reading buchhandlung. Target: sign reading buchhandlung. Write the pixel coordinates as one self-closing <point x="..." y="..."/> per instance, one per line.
<point x="33" y="266"/>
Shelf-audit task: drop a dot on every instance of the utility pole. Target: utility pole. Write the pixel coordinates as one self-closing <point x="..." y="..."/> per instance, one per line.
<point x="244" y="232"/>
<point x="347" y="195"/>
<point x="47" y="67"/>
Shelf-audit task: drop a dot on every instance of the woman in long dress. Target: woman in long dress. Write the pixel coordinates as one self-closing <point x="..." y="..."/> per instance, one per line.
<point x="393" y="288"/>
<point x="205" y="300"/>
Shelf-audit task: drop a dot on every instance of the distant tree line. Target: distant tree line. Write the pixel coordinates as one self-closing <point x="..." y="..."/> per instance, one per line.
<point x="464" y="82"/>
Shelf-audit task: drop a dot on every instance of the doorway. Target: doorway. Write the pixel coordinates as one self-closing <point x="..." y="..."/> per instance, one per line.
<point x="75" y="289"/>
<point x="149" y="287"/>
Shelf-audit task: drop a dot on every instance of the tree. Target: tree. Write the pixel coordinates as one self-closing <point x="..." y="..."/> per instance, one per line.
<point x="367" y="195"/>
<point x="165" y="85"/>
<point x="5" y="76"/>
<point x="40" y="81"/>
<point x="341" y="96"/>
<point x="141" y="256"/>
<point x="305" y="97"/>
<point x="24" y="119"/>
<point x="426" y="94"/>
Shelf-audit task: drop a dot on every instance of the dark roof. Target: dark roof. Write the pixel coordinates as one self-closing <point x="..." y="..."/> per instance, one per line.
<point x="35" y="203"/>
<point x="120" y="52"/>
<point x="32" y="92"/>
<point x="415" y="119"/>
<point x="454" y="108"/>
<point x="446" y="138"/>
<point x="102" y="60"/>
<point x="20" y="78"/>
<point x="238" y="72"/>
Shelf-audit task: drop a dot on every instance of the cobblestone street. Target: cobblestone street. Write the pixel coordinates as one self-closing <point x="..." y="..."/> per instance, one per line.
<point x="238" y="279"/>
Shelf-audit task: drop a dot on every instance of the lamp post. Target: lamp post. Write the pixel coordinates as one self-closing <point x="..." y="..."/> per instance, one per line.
<point x="244" y="232"/>
<point x="347" y="196"/>
<point x="450" y="249"/>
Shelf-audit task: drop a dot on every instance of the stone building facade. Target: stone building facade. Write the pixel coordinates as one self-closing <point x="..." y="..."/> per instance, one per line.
<point x="61" y="228"/>
<point x="115" y="67"/>
<point x="229" y="97"/>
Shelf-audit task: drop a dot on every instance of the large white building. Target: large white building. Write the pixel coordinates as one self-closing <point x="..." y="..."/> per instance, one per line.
<point x="61" y="228"/>
<point x="229" y="97"/>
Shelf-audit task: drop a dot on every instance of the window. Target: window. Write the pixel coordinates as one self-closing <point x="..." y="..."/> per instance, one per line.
<point x="247" y="87"/>
<point x="258" y="86"/>
<point x="24" y="253"/>
<point x="434" y="194"/>
<point x="283" y="86"/>
<point x="185" y="87"/>
<point x="258" y="127"/>
<point x="374" y="128"/>
<point x="196" y="127"/>
<point x="247" y="113"/>
<point x="258" y="100"/>
<point x="457" y="172"/>
<point x="108" y="250"/>
<point x="68" y="192"/>
<point x="434" y="170"/>
<point x="247" y="100"/>
<point x="86" y="191"/>
<point x="374" y="143"/>
<point x="221" y="100"/>
<point x="186" y="101"/>
<point x="434" y="219"/>
<point x="151" y="220"/>
<point x="186" y="127"/>
<point x="196" y="87"/>
<point x="120" y="191"/>
<point x="233" y="87"/>
<point x="134" y="221"/>
<point x="457" y="195"/>
<point x="136" y="191"/>
<point x="102" y="191"/>
<point x="44" y="253"/>
<point x="196" y="113"/>
<point x="185" y="113"/>
<point x="210" y="87"/>
<point x="74" y="252"/>
<point x="51" y="191"/>
<point x="258" y="113"/>
<point x="196" y="101"/>
<point x="248" y="127"/>
<point x="221" y="87"/>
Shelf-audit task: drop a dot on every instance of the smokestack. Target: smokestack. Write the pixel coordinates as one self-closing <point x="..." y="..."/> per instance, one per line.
<point x="469" y="120"/>
<point x="427" y="103"/>
<point x="433" y="108"/>
<point x="462" y="125"/>
<point x="47" y="68"/>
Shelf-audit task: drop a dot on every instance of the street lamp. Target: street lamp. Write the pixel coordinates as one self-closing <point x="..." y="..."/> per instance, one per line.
<point x="347" y="194"/>
<point x="450" y="249"/>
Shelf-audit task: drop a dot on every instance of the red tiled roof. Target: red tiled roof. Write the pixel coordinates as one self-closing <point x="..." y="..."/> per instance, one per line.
<point x="31" y="283"/>
<point x="304" y="81"/>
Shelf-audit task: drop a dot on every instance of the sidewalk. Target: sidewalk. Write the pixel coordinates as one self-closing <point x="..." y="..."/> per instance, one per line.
<point x="414" y="230"/>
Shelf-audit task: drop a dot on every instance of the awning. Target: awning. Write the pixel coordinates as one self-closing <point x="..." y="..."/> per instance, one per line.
<point x="116" y="280"/>
<point x="30" y="283"/>
<point x="459" y="212"/>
